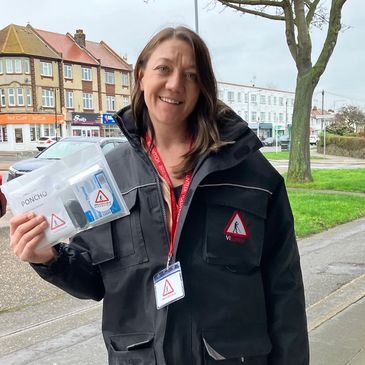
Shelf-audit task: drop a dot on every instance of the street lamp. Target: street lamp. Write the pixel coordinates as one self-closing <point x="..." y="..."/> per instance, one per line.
<point x="196" y="16"/>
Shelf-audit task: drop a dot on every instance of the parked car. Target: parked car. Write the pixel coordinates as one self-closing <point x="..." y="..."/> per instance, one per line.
<point x="313" y="139"/>
<point x="60" y="149"/>
<point x="2" y="200"/>
<point x="46" y="141"/>
<point x="269" y="141"/>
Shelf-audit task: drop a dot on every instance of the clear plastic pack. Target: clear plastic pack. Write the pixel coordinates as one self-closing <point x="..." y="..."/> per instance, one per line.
<point x="75" y="193"/>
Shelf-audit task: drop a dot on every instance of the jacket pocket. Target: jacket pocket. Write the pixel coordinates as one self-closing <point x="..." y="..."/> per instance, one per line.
<point x="234" y="233"/>
<point x="118" y="244"/>
<point x="235" y="346"/>
<point x="132" y="349"/>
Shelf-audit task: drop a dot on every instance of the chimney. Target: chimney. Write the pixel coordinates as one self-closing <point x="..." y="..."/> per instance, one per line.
<point x="80" y="37"/>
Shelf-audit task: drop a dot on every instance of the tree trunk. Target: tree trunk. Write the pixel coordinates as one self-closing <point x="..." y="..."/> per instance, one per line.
<point x="299" y="160"/>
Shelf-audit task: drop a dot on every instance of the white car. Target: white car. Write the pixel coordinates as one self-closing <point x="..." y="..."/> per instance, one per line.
<point x="46" y="141"/>
<point x="313" y="140"/>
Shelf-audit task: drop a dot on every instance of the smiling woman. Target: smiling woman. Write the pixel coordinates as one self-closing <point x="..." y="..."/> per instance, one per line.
<point x="209" y="235"/>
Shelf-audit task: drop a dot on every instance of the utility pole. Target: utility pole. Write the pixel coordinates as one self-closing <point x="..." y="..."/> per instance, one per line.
<point x="196" y="16"/>
<point x="323" y="126"/>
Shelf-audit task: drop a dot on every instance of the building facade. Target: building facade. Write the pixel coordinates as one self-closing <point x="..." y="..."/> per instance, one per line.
<point x="267" y="111"/>
<point x="56" y="84"/>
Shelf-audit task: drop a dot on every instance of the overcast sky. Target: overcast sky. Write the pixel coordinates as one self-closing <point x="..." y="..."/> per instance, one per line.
<point x="244" y="48"/>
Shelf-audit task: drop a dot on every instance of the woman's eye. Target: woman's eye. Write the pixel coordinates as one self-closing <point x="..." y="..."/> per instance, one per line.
<point x="163" y="69"/>
<point x="191" y="76"/>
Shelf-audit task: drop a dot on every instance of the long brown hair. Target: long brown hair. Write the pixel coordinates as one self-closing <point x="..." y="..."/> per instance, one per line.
<point x="203" y="120"/>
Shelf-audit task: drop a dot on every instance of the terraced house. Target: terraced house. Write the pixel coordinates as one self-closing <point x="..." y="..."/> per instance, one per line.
<point x="58" y="84"/>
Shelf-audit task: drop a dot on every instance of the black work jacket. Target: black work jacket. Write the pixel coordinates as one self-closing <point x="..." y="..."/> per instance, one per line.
<point x="244" y="300"/>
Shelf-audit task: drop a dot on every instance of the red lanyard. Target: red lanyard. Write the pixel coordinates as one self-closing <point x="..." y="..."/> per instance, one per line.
<point x="175" y="206"/>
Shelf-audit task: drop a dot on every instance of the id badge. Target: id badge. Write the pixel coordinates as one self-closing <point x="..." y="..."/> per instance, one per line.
<point x="169" y="285"/>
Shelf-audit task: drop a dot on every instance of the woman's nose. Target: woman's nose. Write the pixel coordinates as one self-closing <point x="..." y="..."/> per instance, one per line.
<point x="174" y="82"/>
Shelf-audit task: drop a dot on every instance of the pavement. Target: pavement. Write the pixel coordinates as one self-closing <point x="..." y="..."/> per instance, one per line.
<point x="41" y="325"/>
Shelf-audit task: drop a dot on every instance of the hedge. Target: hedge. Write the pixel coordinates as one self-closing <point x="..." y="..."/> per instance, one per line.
<point x="343" y="145"/>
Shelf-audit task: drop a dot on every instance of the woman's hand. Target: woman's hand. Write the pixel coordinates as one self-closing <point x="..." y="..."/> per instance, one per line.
<point x="26" y="231"/>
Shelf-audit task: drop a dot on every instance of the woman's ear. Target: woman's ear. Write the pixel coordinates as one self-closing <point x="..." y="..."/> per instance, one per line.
<point x="140" y="79"/>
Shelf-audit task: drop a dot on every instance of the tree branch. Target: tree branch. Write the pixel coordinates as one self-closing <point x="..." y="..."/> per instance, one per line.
<point x="331" y="39"/>
<point x="289" y="29"/>
<point x="311" y="11"/>
<point x="250" y="11"/>
<point x="273" y="3"/>
<point x="304" y="40"/>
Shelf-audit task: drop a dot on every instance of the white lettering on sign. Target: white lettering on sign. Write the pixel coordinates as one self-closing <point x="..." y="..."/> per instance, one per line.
<point x="77" y="118"/>
<point x="34" y="198"/>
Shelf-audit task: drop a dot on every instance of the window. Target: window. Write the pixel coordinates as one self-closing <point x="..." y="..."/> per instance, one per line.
<point x="3" y="134"/>
<point x="46" y="69"/>
<point x="11" y="96"/>
<point x="1" y="67"/>
<point x="239" y="97"/>
<point x="253" y="116"/>
<point x="125" y="101"/>
<point x="110" y="103"/>
<point x="86" y="74"/>
<point x="220" y="94"/>
<point x="109" y="78"/>
<point x="67" y="71"/>
<point x="35" y="132"/>
<point x="246" y="115"/>
<point x="87" y="99"/>
<point x="281" y="101"/>
<point x="69" y="99"/>
<point x="20" y="96"/>
<point x="125" y="79"/>
<point x="26" y="66"/>
<point x="269" y="100"/>
<point x="274" y="101"/>
<point x="246" y="98"/>
<point x="269" y="116"/>
<point x="9" y="66"/>
<point x="230" y="95"/>
<point x="29" y="97"/>
<point x="253" y="98"/>
<point x="2" y="98"/>
<point x="18" y="65"/>
<point x="281" y="117"/>
<point x="47" y="98"/>
<point x="262" y="116"/>
<point x="262" y="99"/>
<point x="48" y="130"/>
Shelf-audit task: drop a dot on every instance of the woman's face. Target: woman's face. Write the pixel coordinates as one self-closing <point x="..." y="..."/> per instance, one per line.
<point x="169" y="83"/>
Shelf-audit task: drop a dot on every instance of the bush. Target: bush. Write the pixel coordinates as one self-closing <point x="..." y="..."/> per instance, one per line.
<point x="343" y="145"/>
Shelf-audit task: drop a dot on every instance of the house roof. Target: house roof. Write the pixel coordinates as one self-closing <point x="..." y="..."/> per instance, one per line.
<point x="16" y="39"/>
<point x="66" y="45"/>
<point x="108" y="58"/>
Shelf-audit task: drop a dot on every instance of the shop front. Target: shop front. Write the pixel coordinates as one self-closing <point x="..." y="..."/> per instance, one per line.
<point x="85" y="124"/>
<point x="20" y="132"/>
<point x="110" y="128"/>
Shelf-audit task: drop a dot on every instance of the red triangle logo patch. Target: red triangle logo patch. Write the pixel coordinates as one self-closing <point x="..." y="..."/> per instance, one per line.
<point x="56" y="222"/>
<point x="236" y="229"/>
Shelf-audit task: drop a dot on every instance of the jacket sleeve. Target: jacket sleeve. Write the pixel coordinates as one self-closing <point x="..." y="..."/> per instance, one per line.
<point x="283" y="284"/>
<point x="73" y="271"/>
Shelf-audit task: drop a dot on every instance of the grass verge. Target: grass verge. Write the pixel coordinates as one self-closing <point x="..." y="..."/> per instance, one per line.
<point x="316" y="212"/>
<point x="284" y="155"/>
<point x="339" y="179"/>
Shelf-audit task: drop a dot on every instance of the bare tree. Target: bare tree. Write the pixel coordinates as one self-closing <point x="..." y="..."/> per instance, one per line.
<point x="299" y="16"/>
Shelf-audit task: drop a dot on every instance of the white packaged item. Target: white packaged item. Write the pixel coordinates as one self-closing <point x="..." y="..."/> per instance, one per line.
<point x="75" y="193"/>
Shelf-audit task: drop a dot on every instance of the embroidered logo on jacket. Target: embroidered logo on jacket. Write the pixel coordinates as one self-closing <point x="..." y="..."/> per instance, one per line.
<point x="236" y="229"/>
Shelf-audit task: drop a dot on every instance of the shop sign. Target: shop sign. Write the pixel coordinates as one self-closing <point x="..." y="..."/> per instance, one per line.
<point x="108" y="118"/>
<point x="85" y="118"/>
